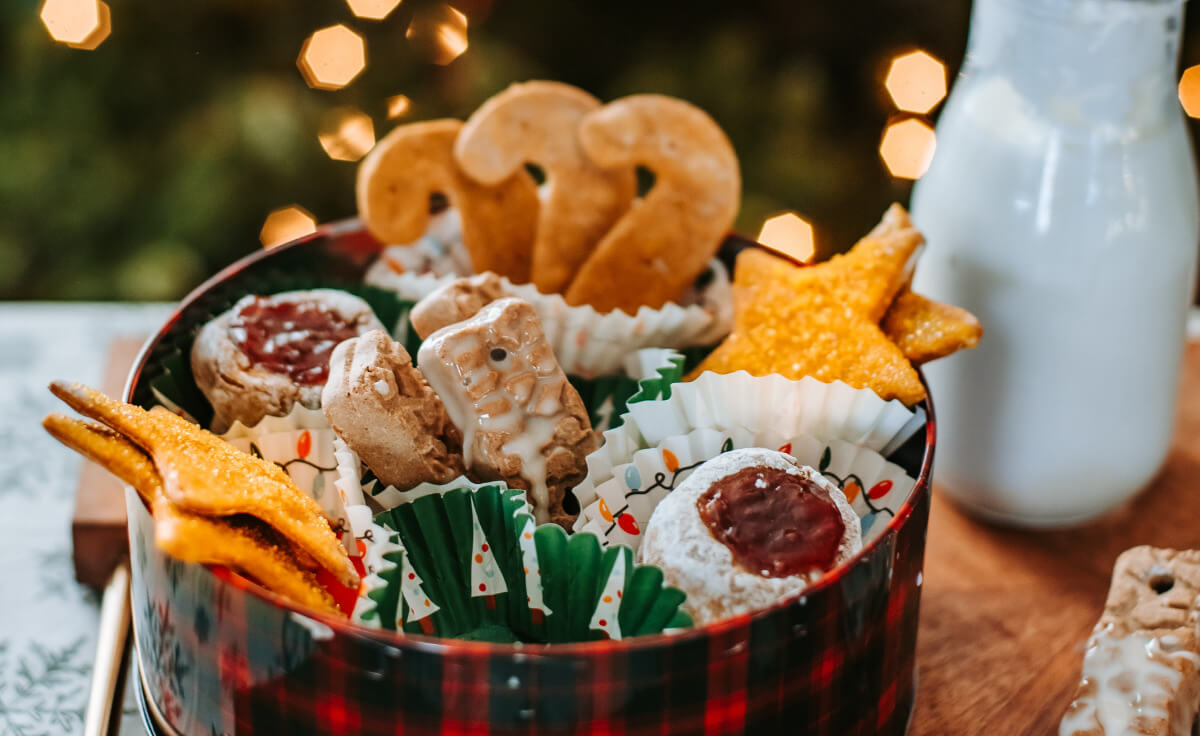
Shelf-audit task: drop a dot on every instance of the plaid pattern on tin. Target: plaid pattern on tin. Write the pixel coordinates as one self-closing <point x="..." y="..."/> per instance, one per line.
<point x="221" y="656"/>
<point x="838" y="661"/>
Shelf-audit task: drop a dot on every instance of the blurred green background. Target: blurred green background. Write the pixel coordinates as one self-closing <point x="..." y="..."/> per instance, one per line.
<point x="135" y="170"/>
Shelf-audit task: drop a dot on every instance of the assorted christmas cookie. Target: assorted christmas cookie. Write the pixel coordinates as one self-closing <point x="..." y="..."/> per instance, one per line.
<point x="747" y="529"/>
<point x="824" y="320"/>
<point x="267" y="354"/>
<point x="381" y="406"/>
<point x="495" y="438"/>
<point x="1141" y="670"/>
<point x="522" y="420"/>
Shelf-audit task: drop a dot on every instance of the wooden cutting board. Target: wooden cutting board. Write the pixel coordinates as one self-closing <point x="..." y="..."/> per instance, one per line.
<point x="1005" y="614"/>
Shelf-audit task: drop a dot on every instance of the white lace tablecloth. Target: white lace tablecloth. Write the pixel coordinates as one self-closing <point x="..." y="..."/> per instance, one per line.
<point x="47" y="620"/>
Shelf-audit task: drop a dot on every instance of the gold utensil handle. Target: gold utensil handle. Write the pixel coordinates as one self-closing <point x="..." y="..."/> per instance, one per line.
<point x="110" y="650"/>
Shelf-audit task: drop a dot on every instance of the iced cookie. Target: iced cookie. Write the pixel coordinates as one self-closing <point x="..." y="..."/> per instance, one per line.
<point x="654" y="253"/>
<point x="385" y="411"/>
<point x="455" y="302"/>
<point x="538" y="122"/>
<point x="522" y="421"/>
<point x="267" y="354"/>
<point x="1141" y="671"/>
<point x="747" y="529"/>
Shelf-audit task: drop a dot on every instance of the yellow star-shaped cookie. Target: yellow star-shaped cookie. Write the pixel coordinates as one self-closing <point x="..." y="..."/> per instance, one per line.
<point x="926" y="330"/>
<point x="823" y="320"/>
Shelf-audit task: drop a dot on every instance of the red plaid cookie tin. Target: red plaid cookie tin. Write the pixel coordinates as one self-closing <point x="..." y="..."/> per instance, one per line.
<point x="220" y="655"/>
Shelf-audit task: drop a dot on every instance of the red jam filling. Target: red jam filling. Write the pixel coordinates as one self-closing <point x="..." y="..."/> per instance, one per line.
<point x="291" y="338"/>
<point x="773" y="522"/>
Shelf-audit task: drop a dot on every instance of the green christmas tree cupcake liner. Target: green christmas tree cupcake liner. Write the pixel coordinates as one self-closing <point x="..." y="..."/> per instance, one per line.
<point x="467" y="561"/>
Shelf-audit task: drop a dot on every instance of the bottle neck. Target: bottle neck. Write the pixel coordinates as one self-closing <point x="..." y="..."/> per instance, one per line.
<point x="1083" y="62"/>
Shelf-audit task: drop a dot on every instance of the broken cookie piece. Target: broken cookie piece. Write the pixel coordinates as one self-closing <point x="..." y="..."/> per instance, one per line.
<point x="385" y="411"/>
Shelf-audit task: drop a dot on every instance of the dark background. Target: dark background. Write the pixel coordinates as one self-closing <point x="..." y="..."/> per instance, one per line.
<point x="137" y="169"/>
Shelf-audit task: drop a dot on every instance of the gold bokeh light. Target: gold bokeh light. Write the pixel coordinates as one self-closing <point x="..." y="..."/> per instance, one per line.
<point x="80" y="24"/>
<point x="332" y="57"/>
<point x="398" y="106"/>
<point x="286" y="223"/>
<point x="440" y="33"/>
<point x="1189" y="91"/>
<point x="347" y="134"/>
<point x="789" y="234"/>
<point x="916" y="81"/>
<point x="907" y="148"/>
<point x="372" y="9"/>
<point x="99" y="33"/>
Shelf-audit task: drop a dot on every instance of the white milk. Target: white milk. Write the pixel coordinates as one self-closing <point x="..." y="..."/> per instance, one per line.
<point x="1061" y="208"/>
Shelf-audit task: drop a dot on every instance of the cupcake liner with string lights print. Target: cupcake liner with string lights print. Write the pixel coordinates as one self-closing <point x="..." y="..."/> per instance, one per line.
<point x="303" y="444"/>
<point x="467" y="561"/>
<point x="842" y="431"/>
<point x="625" y="501"/>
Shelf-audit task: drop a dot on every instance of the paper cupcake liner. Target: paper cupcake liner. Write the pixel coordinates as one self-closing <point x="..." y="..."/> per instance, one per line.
<point x="303" y="444"/>
<point x="770" y="406"/>
<point x="469" y="562"/>
<point x="586" y="342"/>
<point x="760" y="403"/>
<point x="624" y="501"/>
<point x="439" y="252"/>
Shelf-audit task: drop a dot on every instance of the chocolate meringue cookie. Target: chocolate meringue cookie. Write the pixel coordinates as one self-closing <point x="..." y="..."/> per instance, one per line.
<point x="746" y="529"/>
<point x="267" y="354"/>
<point x="385" y="411"/>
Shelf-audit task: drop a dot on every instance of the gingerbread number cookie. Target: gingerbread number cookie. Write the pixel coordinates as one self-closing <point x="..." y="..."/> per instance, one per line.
<point x="538" y="123"/>
<point x="416" y="161"/>
<point x="655" y="252"/>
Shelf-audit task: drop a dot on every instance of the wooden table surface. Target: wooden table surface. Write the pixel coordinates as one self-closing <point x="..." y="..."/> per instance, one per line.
<point x="1005" y="614"/>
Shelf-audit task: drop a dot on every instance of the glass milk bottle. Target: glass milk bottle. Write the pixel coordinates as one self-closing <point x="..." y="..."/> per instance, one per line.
<point x="1061" y="208"/>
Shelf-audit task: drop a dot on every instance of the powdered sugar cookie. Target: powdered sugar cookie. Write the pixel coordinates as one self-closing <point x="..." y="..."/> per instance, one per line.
<point x="749" y="528"/>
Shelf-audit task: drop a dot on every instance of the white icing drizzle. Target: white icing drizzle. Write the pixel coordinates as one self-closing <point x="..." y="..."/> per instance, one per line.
<point x="1133" y="678"/>
<point x="458" y="361"/>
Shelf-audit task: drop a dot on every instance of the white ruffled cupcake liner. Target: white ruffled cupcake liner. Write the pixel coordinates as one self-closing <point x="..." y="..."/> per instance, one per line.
<point x="760" y="403"/>
<point x="623" y="500"/>
<point x="303" y="444"/>
<point x="586" y="342"/>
